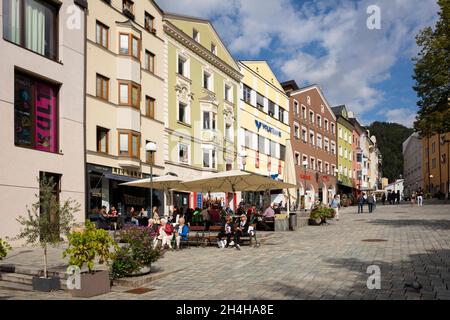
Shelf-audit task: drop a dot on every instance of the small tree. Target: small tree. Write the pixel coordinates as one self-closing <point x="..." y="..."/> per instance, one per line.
<point x="47" y="220"/>
<point x="4" y="248"/>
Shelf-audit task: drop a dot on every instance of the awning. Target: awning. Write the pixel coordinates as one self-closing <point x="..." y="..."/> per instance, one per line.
<point x="119" y="178"/>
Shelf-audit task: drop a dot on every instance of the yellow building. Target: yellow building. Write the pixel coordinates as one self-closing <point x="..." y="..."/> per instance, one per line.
<point x="436" y="169"/>
<point x="263" y="121"/>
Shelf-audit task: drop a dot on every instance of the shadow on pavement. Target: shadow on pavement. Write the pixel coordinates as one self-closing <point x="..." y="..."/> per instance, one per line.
<point x="432" y="224"/>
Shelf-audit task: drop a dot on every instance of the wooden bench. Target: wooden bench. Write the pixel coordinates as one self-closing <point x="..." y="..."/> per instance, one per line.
<point x="211" y="235"/>
<point x="196" y="234"/>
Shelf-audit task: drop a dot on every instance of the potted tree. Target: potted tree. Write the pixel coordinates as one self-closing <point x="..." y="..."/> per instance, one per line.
<point x="85" y="246"/>
<point x="45" y="225"/>
<point x="4" y="248"/>
<point x="320" y="214"/>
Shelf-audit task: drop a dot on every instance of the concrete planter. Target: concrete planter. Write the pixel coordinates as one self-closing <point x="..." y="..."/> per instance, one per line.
<point x="46" y="284"/>
<point x="93" y="284"/>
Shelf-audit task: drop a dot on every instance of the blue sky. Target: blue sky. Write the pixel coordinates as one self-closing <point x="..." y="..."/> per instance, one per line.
<point x="328" y="43"/>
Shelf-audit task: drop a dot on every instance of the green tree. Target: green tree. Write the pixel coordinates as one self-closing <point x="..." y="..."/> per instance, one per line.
<point x="47" y="220"/>
<point x="390" y="137"/>
<point x="432" y="75"/>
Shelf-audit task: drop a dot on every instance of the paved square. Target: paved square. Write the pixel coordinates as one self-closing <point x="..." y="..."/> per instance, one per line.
<point x="314" y="262"/>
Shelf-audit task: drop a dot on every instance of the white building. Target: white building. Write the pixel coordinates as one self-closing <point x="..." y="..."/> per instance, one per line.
<point x="395" y="186"/>
<point x="412" y="163"/>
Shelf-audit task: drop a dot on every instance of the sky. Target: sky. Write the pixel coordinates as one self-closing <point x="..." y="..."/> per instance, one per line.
<point x="328" y="43"/>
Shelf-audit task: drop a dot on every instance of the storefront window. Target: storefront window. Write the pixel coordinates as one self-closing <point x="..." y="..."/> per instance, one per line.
<point x="35" y="114"/>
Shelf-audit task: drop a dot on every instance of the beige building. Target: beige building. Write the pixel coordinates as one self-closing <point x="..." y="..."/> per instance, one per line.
<point x="41" y="104"/>
<point x="125" y="101"/>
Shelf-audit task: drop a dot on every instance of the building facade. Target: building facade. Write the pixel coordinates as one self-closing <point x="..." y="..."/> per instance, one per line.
<point x="263" y="121"/>
<point x="375" y="165"/>
<point x="412" y="164"/>
<point x="357" y="153"/>
<point x="345" y="150"/>
<point x="41" y="103"/>
<point x="201" y="104"/>
<point x="125" y="82"/>
<point x="313" y="135"/>
<point x="436" y="168"/>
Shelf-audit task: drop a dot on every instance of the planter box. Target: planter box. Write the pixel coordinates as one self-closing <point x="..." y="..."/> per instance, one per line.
<point x="46" y="284"/>
<point x="93" y="284"/>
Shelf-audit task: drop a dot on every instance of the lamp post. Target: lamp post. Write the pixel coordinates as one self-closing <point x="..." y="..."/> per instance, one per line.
<point x="429" y="183"/>
<point x="151" y="148"/>
<point x="244" y="159"/>
<point x="336" y="171"/>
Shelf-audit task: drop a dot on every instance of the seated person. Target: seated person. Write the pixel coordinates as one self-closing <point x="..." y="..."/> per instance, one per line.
<point x="103" y="214"/>
<point x="276" y="209"/>
<point x="268" y="215"/>
<point x="152" y="226"/>
<point x="133" y="216"/>
<point x="241" y="231"/>
<point x="113" y="217"/>
<point x="226" y="232"/>
<point x="165" y="234"/>
<point x="181" y="232"/>
<point x="143" y="213"/>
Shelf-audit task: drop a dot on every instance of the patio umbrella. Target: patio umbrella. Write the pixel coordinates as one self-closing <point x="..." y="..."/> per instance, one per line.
<point x="166" y="183"/>
<point x="234" y="181"/>
<point x="289" y="173"/>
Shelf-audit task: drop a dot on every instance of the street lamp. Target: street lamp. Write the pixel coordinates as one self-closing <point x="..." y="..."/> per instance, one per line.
<point x="151" y="148"/>
<point x="244" y="159"/>
<point x="429" y="183"/>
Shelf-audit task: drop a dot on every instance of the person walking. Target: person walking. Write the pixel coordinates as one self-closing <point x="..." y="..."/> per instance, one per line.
<point x="336" y="204"/>
<point x="383" y="198"/>
<point x="397" y="196"/>
<point x="370" y="202"/>
<point x="361" y="202"/>
<point x="413" y="199"/>
<point x="420" y="197"/>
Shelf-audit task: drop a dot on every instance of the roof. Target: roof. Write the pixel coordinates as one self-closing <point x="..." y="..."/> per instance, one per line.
<point x="289" y="86"/>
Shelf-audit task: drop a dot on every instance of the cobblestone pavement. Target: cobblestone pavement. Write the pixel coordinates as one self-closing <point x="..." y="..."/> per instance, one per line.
<point x="314" y="262"/>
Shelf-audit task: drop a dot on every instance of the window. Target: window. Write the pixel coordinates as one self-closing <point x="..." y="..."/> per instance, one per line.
<point x="433" y="147"/>
<point x="102" y="87"/>
<point x="326" y="125"/>
<point x="319" y="166"/>
<point x="129" y="144"/>
<point x="308" y="100"/>
<point x="296" y="109"/>
<point x="327" y="168"/>
<point x="297" y="158"/>
<point x="182" y="64"/>
<point x="35" y="114"/>
<point x="207" y="81"/>
<point x="340" y="151"/>
<point x="273" y="148"/>
<point x="129" y="94"/>
<point x="311" y="137"/>
<point x="282" y="152"/>
<point x="311" y="117"/>
<point x="182" y="113"/>
<point x="333" y="169"/>
<point x="209" y="158"/>
<point x="150" y="61"/>
<point x="319" y="140"/>
<point x="228" y="96"/>
<point x="149" y="23"/>
<point x="345" y="135"/>
<point x="150" y="107"/>
<point x="333" y="147"/>
<point x="326" y="144"/>
<point x="31" y="24"/>
<point x="129" y="45"/>
<point x="333" y="130"/>
<point x="150" y="155"/>
<point x="340" y="169"/>
<point x="261" y="144"/>
<point x="319" y="121"/>
<point x="359" y="157"/>
<point x="296" y="131"/>
<point x="183" y="153"/>
<point x="303" y="112"/>
<point x="312" y="163"/>
<point x="214" y="49"/>
<point x="345" y="153"/>
<point x="102" y="140"/>
<point x="304" y="135"/>
<point x="196" y="35"/>
<point x="248" y="139"/>
<point x="259" y="101"/>
<point x="305" y="160"/>
<point x="209" y="120"/>
<point x="247" y="94"/>
<point x="281" y="114"/>
<point x="102" y="34"/>
<point x="340" y="132"/>
<point x="271" y="108"/>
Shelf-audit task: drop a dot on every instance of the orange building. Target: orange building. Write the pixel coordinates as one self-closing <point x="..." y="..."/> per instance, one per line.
<point x="436" y="169"/>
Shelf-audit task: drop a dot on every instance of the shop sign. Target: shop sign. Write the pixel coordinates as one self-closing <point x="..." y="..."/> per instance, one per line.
<point x="127" y="173"/>
<point x="305" y="177"/>
<point x="268" y="128"/>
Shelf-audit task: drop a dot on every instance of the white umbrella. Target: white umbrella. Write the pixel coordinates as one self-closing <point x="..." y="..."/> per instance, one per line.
<point x="289" y="172"/>
<point x="234" y="181"/>
<point x="166" y="182"/>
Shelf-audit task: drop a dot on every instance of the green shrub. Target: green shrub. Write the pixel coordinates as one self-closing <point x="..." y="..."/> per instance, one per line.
<point x="86" y="246"/>
<point x="137" y="253"/>
<point x="322" y="213"/>
<point x="4" y="248"/>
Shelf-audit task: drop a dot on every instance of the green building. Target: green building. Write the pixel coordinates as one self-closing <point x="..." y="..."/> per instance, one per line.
<point x="201" y="111"/>
<point x="344" y="155"/>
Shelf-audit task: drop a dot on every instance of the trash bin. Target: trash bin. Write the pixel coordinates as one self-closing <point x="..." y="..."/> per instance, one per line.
<point x="292" y="221"/>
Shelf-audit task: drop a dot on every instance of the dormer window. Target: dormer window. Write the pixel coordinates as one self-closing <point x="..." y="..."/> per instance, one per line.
<point x="196" y="35"/>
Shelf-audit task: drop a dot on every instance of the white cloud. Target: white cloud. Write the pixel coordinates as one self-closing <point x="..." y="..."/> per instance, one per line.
<point x="403" y="116"/>
<point x="319" y="42"/>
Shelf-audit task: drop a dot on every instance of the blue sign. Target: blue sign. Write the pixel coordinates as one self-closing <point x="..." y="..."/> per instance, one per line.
<point x="267" y="128"/>
<point x="199" y="200"/>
